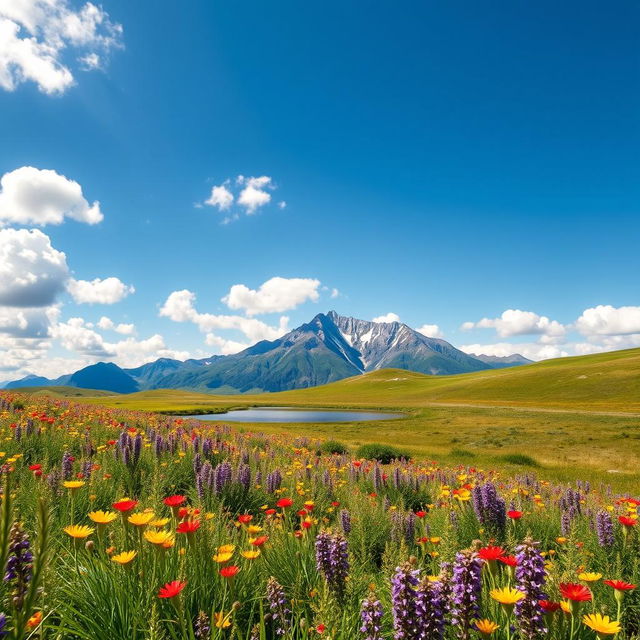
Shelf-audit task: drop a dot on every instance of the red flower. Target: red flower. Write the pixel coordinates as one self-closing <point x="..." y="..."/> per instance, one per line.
<point x="510" y="561"/>
<point x="188" y="526"/>
<point x="35" y="467"/>
<point x="245" y="518"/>
<point x="230" y="571"/>
<point x="575" y="592"/>
<point x="515" y="515"/>
<point x="320" y="628"/>
<point x="270" y="512"/>
<point x="335" y="504"/>
<point x="548" y="606"/>
<point x="620" y="585"/>
<point x="421" y="514"/>
<point x="259" y="541"/>
<point x="174" y="501"/>
<point x="302" y="512"/>
<point x="284" y="502"/>
<point x="491" y="553"/>
<point x="306" y="524"/>
<point x="125" y="505"/>
<point x="625" y="521"/>
<point x="171" y="589"/>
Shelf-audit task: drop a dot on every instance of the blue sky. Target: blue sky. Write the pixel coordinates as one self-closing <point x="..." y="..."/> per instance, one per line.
<point x="468" y="166"/>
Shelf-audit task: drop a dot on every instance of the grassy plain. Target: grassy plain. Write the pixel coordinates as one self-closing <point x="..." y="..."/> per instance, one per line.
<point x="571" y="415"/>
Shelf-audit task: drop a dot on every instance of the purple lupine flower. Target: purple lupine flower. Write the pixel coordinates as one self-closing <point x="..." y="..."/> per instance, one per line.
<point x="430" y="610"/>
<point x="410" y="528"/>
<point x="565" y="523"/>
<point x="67" y="465"/>
<point x="465" y="592"/>
<point x="446" y="587"/>
<point x="19" y="564"/>
<point x="489" y="507"/>
<point x="87" y="468"/>
<point x="274" y="481"/>
<point x="332" y="561"/>
<point x="345" y="521"/>
<point x="222" y="477"/>
<point x="403" y="602"/>
<point x="244" y="476"/>
<point x="207" y="447"/>
<point x="604" y="528"/>
<point x="530" y="579"/>
<point x="137" y="448"/>
<point x="279" y="607"/>
<point x="3" y="624"/>
<point x="376" y="477"/>
<point x="202" y="627"/>
<point x="371" y="615"/>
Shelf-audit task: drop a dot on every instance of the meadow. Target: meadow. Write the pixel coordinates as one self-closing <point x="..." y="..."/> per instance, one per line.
<point x="129" y="524"/>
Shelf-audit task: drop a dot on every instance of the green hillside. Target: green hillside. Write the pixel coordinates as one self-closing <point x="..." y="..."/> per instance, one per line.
<point x="64" y="392"/>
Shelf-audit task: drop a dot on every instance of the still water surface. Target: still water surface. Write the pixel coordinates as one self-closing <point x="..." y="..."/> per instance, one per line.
<point x="283" y="414"/>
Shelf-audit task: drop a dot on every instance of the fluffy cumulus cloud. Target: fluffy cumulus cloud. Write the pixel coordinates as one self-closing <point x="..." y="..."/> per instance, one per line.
<point x="32" y="272"/>
<point x="430" y="330"/>
<point x="107" y="324"/>
<point x="605" y="320"/>
<point x="42" y="196"/>
<point x="514" y="322"/>
<point x="98" y="291"/>
<point x="180" y="307"/>
<point x="42" y="40"/>
<point x="273" y="296"/>
<point x="249" y="193"/>
<point x="387" y="317"/>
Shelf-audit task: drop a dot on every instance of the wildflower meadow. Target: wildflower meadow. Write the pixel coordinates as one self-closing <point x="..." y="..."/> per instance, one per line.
<point x="117" y="524"/>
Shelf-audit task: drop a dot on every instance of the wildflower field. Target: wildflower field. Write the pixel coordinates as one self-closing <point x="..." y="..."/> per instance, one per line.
<point x="118" y="524"/>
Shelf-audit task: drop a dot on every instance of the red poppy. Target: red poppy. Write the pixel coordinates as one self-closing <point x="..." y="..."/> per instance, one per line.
<point x="335" y="504"/>
<point x="188" y="526"/>
<point x="35" y="467"/>
<point x="245" y="518"/>
<point x="284" y="502"/>
<point x="125" y="505"/>
<point x="175" y="501"/>
<point x="620" y="585"/>
<point x="510" y="561"/>
<point x="230" y="571"/>
<point x="491" y="553"/>
<point x="575" y="592"/>
<point x="549" y="606"/>
<point x="306" y="524"/>
<point x="421" y="514"/>
<point x="270" y="512"/>
<point x="171" y="589"/>
<point x="625" y="521"/>
<point x="515" y="515"/>
<point x="302" y="513"/>
<point x="320" y="628"/>
<point x="259" y="541"/>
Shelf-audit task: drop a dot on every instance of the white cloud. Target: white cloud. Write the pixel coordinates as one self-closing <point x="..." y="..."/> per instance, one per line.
<point x="224" y="346"/>
<point x="98" y="291"/>
<point x="273" y="296"/>
<point x="531" y="350"/>
<point x="220" y="197"/>
<point x="605" y="320"/>
<point x="42" y="196"/>
<point x="430" y="330"/>
<point x="32" y="272"/>
<point x="27" y="322"/>
<point x="514" y="322"/>
<point x="253" y="195"/>
<point x="388" y="317"/>
<point x="179" y="307"/>
<point x="282" y="204"/>
<point x="335" y="293"/>
<point x="107" y="324"/>
<point x="36" y="34"/>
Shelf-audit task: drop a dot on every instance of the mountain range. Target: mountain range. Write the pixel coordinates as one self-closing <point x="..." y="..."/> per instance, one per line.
<point x="329" y="348"/>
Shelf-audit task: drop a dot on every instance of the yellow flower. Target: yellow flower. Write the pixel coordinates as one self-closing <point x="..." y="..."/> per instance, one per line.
<point x="486" y="627"/>
<point x="507" y="596"/>
<point x="589" y="577"/>
<point x="251" y="555"/>
<point x="73" y="484"/>
<point x="561" y="540"/>
<point x="227" y="548"/>
<point x="565" y="606"/>
<point x="140" y="519"/>
<point x="253" y="529"/>
<point x="222" y="557"/>
<point x="78" y="531"/>
<point x="103" y="517"/>
<point x="159" y="522"/>
<point x="125" y="557"/>
<point x="221" y="620"/>
<point x="159" y="538"/>
<point x="602" y="625"/>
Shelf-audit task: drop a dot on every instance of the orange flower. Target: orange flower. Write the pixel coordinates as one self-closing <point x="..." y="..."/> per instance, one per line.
<point x="188" y="526"/>
<point x="575" y="592"/>
<point x="34" y="620"/>
<point x="229" y="572"/>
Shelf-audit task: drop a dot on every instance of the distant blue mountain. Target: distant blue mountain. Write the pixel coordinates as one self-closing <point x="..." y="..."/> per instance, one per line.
<point x="328" y="348"/>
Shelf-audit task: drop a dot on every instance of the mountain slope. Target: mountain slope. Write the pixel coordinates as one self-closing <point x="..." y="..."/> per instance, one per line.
<point x="329" y="348"/>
